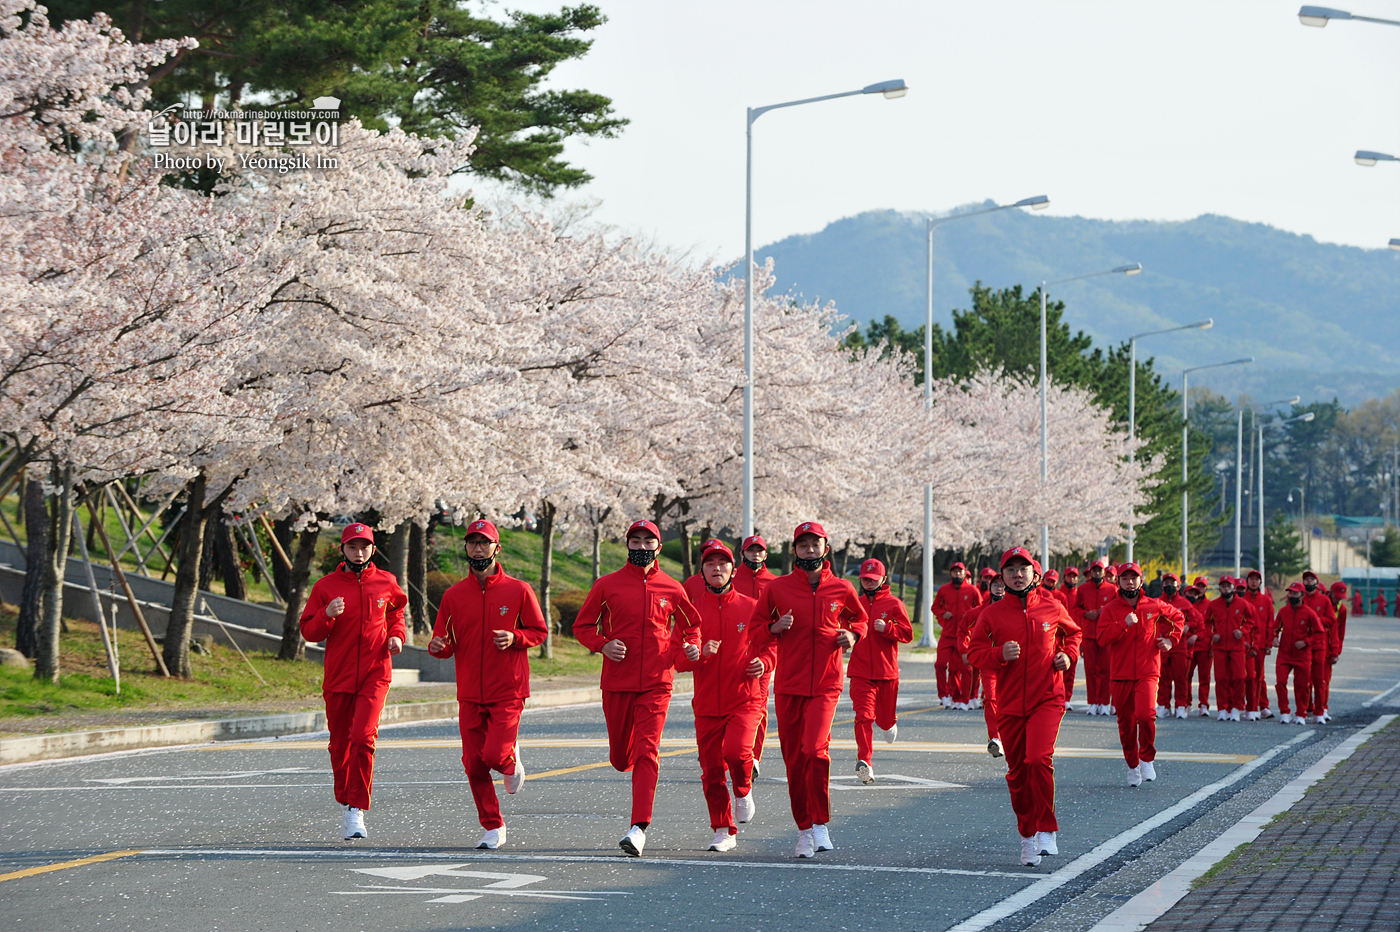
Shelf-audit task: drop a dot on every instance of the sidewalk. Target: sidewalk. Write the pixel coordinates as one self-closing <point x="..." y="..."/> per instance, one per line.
<point x="1331" y="862"/>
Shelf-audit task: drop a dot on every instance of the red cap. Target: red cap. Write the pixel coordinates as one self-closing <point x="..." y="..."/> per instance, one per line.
<point x="808" y="527"/>
<point x="1254" y="573"/>
<point x="958" y="566"/>
<point x="1339" y="586"/>
<point x="356" y="531"/>
<point x="644" y="526"/>
<point x="1171" y="576"/>
<point x="485" y="528"/>
<point x="1307" y="573"/>
<point x="872" y="569"/>
<point x="1052" y="576"/>
<point x="1071" y="571"/>
<point x="1126" y="568"/>
<point x="987" y="573"/>
<point x="1297" y="587"/>
<point x="1226" y="579"/>
<point x="1102" y="561"/>
<point x="713" y="546"/>
<point x="751" y="541"/>
<point x="1024" y="554"/>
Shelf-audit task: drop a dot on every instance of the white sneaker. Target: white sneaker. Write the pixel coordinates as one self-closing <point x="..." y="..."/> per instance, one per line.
<point x="1252" y="716"/>
<point x="1234" y="715"/>
<point x="513" y="781"/>
<point x="352" y="824"/>
<point x="1181" y="711"/>
<point x="633" y="842"/>
<point x="1285" y="718"/>
<point x="1224" y="716"/>
<point x="890" y="734"/>
<point x="977" y="703"/>
<point x="1319" y="720"/>
<point x="947" y="704"/>
<point x="865" y="773"/>
<point x="1204" y="711"/>
<point x="1266" y="712"/>
<point x="821" y="838"/>
<point x="493" y="839"/>
<point x="1110" y="709"/>
<point x="1030" y="851"/>
<point x="1161" y="711"/>
<point x="1300" y="720"/>
<point x="960" y="706"/>
<point x="1069" y="706"/>
<point x="806" y="847"/>
<point x="744" y="808"/>
<point x="724" y="841"/>
<point x="1135" y="776"/>
<point x="995" y="749"/>
<point x="1149" y="771"/>
<point x="1047" y="843"/>
<point x="1326" y="716"/>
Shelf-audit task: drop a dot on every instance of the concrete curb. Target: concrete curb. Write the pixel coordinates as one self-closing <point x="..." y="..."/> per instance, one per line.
<point x="80" y="743"/>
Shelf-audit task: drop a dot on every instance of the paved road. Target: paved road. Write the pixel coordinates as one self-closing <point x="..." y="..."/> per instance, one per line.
<point x="245" y="835"/>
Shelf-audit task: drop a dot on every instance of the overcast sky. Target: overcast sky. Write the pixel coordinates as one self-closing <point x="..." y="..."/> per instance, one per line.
<point x="1117" y="110"/>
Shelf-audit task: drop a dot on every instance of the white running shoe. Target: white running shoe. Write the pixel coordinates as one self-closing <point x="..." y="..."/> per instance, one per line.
<point x="1300" y="720"/>
<point x="352" y="824"/>
<point x="1149" y="770"/>
<point x="1252" y="716"/>
<point x="947" y="704"/>
<point x="1204" y="711"/>
<point x="995" y="749"/>
<point x="633" y="842"/>
<point x="821" y="838"/>
<point x="724" y="841"/>
<point x="1181" y="711"/>
<point x="1135" y="776"/>
<point x="806" y="847"/>
<point x="865" y="773"/>
<point x="1234" y="715"/>
<point x="1110" y="709"/>
<point x="744" y="808"/>
<point x="513" y="781"/>
<point x="1030" y="851"/>
<point x="977" y="703"/>
<point x="960" y="706"/>
<point x="1326" y="716"/>
<point x="890" y="734"/>
<point x="493" y="839"/>
<point x="1266" y="712"/>
<point x="1319" y="720"/>
<point x="1286" y="718"/>
<point x="1161" y="711"/>
<point x="1224" y="716"/>
<point x="1047" y="843"/>
<point x="1069" y="706"/>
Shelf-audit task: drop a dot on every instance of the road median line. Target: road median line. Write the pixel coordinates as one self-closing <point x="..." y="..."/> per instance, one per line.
<point x="64" y="865"/>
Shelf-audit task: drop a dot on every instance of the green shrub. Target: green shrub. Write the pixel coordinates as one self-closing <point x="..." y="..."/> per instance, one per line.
<point x="567" y="604"/>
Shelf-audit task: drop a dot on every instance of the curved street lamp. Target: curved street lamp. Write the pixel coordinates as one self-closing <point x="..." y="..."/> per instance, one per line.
<point x="1185" y="459"/>
<point x="1319" y="16"/>
<point x="1262" y="426"/>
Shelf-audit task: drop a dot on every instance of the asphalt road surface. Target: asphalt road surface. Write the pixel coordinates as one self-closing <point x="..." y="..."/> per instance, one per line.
<point x="246" y="835"/>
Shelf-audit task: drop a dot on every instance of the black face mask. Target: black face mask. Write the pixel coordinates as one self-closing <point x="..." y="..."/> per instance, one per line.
<point x="997" y="598"/>
<point x="1295" y="600"/>
<point x="808" y="566"/>
<point x="642" y="558"/>
<point x="356" y="568"/>
<point x="752" y="565"/>
<point x="1131" y="596"/>
<point x="483" y="565"/>
<point x="1169" y="591"/>
<point x="720" y="591"/>
<point x="1310" y="586"/>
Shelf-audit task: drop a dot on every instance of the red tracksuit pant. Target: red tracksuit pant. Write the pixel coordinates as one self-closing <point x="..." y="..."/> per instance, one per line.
<point x="947" y="670"/>
<point x="488" y="743"/>
<point x="989" y="702"/>
<point x="804" y="734"/>
<point x="353" y="721"/>
<point x="1229" y="678"/>
<point x="1254" y="681"/>
<point x="1069" y="681"/>
<point x="1175" y="682"/>
<point x="1136" y="705"/>
<point x="726" y="743"/>
<point x="761" y="734"/>
<point x="1327" y="683"/>
<point x="1261" y="682"/>
<point x="974" y="680"/>
<point x="1319" y="680"/>
<point x="1029" y="742"/>
<point x="635" y="721"/>
<point x="1302" y="684"/>
<point x="1096" y="681"/>
<point x="874" y="702"/>
<point x="1201" y="663"/>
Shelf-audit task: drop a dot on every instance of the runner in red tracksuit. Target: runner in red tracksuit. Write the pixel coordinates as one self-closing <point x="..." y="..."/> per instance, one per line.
<point x="1260" y="599"/>
<point x="1232" y="625"/>
<point x="954" y="600"/>
<point x="750" y="578"/>
<point x="1066" y="593"/>
<point x="1069" y="581"/>
<point x="1203" y="650"/>
<point x="1338" y="592"/>
<point x="642" y="622"/>
<point x="996" y="591"/>
<point x="486" y="623"/>
<point x="1176" y="675"/>
<point x="1139" y="631"/>
<point x="1029" y="639"/>
<point x="874" y="665"/>
<point x="814" y="616"/>
<point x="358" y="612"/>
<point x="1089" y="599"/>
<point x="1315" y="598"/>
<point x="729" y="697"/>
<point x="1378" y="603"/>
<point x="1295" y="624"/>
<point x="1358" y="603"/>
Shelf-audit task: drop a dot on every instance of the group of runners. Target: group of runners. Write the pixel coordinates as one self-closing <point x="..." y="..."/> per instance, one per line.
<point x="1010" y="646"/>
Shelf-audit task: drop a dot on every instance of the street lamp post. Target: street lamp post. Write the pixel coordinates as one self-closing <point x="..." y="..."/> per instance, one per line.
<point x="1039" y="202"/>
<point x="890" y="90"/>
<point x="1132" y="391"/>
<point x="1185" y="459"/>
<point x="1262" y="426"/>
<point x="1319" y="16"/>
<point x="1239" y="476"/>
<point x="1131" y="269"/>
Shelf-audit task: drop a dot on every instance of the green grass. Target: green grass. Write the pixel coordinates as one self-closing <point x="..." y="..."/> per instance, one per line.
<point x="1219" y="866"/>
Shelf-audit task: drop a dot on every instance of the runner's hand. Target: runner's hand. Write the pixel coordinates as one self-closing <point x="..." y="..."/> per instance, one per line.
<point x="782" y="624"/>
<point x="880" y="624"/>
<point x="1191" y="640"/>
<point x="395" y="646"/>
<point x="1215" y="639"/>
<point x="1164" y="643"/>
<point x="615" y="649"/>
<point x="947" y="616"/>
<point x="846" y="639"/>
<point x="436" y="645"/>
<point x="336" y="606"/>
<point x="1239" y="635"/>
<point x="1010" y="650"/>
<point x="1131" y="619"/>
<point x="710" y="649"/>
<point x="691" y="651"/>
<point x="755" y="668"/>
<point x="1299" y="645"/>
<point x="1061" y="661"/>
<point x="503" y="638"/>
<point x="1092" y="614"/>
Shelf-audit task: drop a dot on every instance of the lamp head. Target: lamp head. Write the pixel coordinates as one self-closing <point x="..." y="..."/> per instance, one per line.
<point x="1319" y="15"/>
<point x="1207" y="323"/>
<point x="1368" y="158"/>
<point x="891" y="89"/>
<point x="1134" y="269"/>
<point x="1039" y="202"/>
<point x="1308" y="417"/>
<point x="1395" y="244"/>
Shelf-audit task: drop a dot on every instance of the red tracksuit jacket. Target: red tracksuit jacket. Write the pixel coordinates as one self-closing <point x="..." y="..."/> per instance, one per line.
<point x="652" y="615"/>
<point x="1043" y="628"/>
<point x="1339" y="631"/>
<point x="1194" y="623"/>
<point x="357" y="640"/>
<point x="722" y="686"/>
<point x="1135" y="654"/>
<point x="1263" y="605"/>
<point x="876" y="656"/>
<point x="1226" y="619"/>
<point x="1293" y="625"/>
<point x="959" y="600"/>
<point x="1087" y="597"/>
<point x="1318" y="601"/>
<point x="748" y="582"/>
<point x="469" y="616"/>
<point x="809" y="659"/>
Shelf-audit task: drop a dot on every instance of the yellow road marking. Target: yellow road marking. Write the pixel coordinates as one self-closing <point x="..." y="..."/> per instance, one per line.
<point x="582" y="767"/>
<point x="96" y="858"/>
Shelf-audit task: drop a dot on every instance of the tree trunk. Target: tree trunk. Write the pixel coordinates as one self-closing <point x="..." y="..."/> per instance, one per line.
<point x="92" y="525"/>
<point x="31" y="607"/>
<point x="60" y="521"/>
<point x="226" y="552"/>
<point x="23" y="489"/>
<point x="293" y="647"/>
<point x="903" y="567"/>
<point x="189" y="563"/>
<point x="281" y="575"/>
<point x="787" y="558"/>
<point x="396" y="558"/>
<point x="597" y="551"/>
<point x="547" y="511"/>
<point x="207" y="557"/>
<point x="687" y="558"/>
<point x="418" y="576"/>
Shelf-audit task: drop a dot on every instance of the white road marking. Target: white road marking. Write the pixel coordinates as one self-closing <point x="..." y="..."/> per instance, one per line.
<point x="1046" y="885"/>
<point x="1375" y="650"/>
<point x="218" y="775"/>
<point x="505" y="884"/>
<point x="1382" y="697"/>
<point x="1151" y="903"/>
<point x="902" y="783"/>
